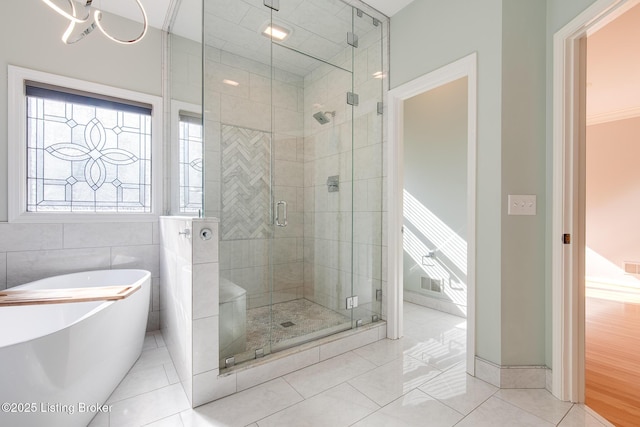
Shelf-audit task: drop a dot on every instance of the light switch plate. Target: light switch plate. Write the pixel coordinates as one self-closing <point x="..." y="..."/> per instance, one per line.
<point x="524" y="204"/>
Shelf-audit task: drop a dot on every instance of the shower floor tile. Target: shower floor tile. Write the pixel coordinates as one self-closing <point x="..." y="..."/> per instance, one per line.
<point x="289" y="320"/>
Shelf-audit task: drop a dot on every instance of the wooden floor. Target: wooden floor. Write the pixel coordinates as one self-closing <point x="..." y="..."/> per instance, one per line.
<point x="613" y="354"/>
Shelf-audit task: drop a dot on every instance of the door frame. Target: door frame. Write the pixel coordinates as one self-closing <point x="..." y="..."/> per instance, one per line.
<point x="568" y="210"/>
<point x="464" y="67"/>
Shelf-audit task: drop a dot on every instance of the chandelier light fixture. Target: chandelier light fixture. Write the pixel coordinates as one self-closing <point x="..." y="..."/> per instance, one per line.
<point x="86" y="18"/>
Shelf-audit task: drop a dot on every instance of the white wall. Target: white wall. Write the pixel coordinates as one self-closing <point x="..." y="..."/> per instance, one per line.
<point x="31" y="33"/>
<point x="176" y="257"/>
<point x="190" y="322"/>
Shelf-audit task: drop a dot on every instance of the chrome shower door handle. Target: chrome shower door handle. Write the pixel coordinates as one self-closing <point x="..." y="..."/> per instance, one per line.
<point x="284" y="214"/>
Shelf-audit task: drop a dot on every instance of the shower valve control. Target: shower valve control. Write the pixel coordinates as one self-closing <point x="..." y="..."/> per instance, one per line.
<point x="206" y="234"/>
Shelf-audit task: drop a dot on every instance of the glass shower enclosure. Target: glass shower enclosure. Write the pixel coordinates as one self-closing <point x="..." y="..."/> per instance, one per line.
<point x="291" y="164"/>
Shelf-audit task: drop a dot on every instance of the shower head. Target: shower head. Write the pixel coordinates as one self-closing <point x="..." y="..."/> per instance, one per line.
<point x="322" y="117"/>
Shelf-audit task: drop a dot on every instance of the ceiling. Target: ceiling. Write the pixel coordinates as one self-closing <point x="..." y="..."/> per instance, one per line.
<point x="613" y="86"/>
<point x="318" y="27"/>
<point x="157" y="9"/>
<point x="613" y="69"/>
<point x="388" y="7"/>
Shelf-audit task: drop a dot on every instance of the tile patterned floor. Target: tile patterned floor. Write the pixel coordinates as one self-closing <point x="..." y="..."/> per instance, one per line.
<point x="306" y="318"/>
<point x="416" y="381"/>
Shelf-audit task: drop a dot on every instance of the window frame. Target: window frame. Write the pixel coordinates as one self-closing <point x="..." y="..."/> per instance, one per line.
<point x="179" y="108"/>
<point x="17" y="147"/>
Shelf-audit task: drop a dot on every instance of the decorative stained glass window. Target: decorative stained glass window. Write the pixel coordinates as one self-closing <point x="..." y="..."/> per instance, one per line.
<point x="190" y="144"/>
<point x="87" y="154"/>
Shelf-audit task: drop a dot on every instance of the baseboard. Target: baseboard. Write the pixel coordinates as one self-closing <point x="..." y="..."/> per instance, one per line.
<point x="435" y="303"/>
<point x="511" y="376"/>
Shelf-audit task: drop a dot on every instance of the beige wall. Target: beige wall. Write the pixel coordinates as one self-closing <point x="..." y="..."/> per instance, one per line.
<point x="613" y="192"/>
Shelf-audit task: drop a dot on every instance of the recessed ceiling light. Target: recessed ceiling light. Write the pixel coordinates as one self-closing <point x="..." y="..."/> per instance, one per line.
<point x="276" y="32"/>
<point x="230" y="82"/>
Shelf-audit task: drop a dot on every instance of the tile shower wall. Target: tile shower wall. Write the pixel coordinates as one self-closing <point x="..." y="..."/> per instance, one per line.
<point x="34" y="251"/>
<point x="190" y="308"/>
<point x="330" y="254"/>
<point x="243" y="136"/>
<point x="369" y="251"/>
<point x="304" y="155"/>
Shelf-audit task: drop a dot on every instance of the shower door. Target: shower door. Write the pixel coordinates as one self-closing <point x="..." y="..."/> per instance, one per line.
<point x="280" y="107"/>
<point x="310" y="255"/>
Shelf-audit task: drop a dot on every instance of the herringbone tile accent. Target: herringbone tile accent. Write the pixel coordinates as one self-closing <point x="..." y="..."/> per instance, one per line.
<point x="246" y="180"/>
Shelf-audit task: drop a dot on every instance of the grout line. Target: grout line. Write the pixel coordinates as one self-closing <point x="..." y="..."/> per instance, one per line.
<point x="518" y="407"/>
<point x="565" y="415"/>
<point x="166" y="418"/>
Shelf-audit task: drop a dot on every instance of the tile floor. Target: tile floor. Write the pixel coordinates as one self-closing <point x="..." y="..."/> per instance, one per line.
<point x="306" y="318"/>
<point x="416" y="381"/>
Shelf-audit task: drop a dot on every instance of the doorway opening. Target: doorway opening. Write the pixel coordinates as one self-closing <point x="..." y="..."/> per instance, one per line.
<point x="596" y="286"/>
<point x="432" y="237"/>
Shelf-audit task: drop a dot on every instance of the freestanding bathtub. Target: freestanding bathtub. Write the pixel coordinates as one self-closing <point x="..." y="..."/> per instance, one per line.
<point x="60" y="362"/>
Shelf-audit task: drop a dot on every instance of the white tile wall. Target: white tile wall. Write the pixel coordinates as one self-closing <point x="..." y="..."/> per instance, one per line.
<point x="107" y="234"/>
<point x="144" y="256"/>
<point x="35" y="251"/>
<point x="205" y="344"/>
<point x="30" y="237"/>
<point x="204" y="250"/>
<point x="206" y="300"/>
<point x="328" y="152"/>
<point x="251" y="105"/>
<point x="276" y="368"/>
<point x="206" y="387"/>
<point x="190" y="319"/>
<point x="176" y="297"/>
<point x="24" y="267"/>
<point x="3" y="270"/>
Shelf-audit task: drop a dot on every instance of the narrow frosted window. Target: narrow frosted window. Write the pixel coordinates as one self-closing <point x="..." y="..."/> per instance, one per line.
<point x="190" y="160"/>
<point x="87" y="154"/>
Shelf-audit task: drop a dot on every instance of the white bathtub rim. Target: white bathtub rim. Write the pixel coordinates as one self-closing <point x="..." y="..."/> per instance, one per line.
<point x="144" y="276"/>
